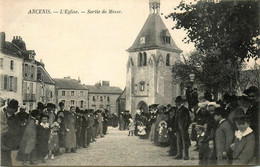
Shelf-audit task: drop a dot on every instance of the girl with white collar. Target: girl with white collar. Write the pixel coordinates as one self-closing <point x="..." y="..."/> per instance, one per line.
<point x="243" y="148"/>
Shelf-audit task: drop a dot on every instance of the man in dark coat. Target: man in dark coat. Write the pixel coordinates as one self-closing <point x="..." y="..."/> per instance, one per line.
<point x="105" y="114"/>
<point x="188" y="95"/>
<point x="253" y="114"/>
<point x="172" y="129"/>
<point x="10" y="130"/>
<point x="182" y="123"/>
<point x="78" y="126"/>
<point x="91" y="124"/>
<point x="85" y="123"/>
<point x="61" y="133"/>
<point x="223" y="137"/>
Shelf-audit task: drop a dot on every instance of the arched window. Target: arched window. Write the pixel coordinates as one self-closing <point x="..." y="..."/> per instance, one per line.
<point x="168" y="60"/>
<point x="140" y="59"/>
<point x="145" y="59"/>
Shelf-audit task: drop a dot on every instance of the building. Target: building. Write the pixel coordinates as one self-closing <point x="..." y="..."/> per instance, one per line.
<point x="149" y="66"/>
<point x="103" y="96"/>
<point x="29" y="74"/>
<point x="120" y="103"/>
<point x="11" y="67"/>
<point x="45" y="86"/>
<point x="71" y="93"/>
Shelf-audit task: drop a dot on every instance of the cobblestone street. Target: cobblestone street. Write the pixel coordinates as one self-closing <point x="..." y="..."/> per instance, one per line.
<point x="119" y="149"/>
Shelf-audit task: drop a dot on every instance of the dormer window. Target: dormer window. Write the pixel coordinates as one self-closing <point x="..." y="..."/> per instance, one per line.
<point x="166" y="39"/>
<point x="142" y="40"/>
<point x="30" y="56"/>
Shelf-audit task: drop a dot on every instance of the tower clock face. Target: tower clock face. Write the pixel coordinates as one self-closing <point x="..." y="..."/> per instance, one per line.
<point x="142" y="40"/>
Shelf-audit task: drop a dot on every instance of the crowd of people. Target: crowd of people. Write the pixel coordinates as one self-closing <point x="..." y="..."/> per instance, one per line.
<point x="225" y="131"/>
<point x="48" y="131"/>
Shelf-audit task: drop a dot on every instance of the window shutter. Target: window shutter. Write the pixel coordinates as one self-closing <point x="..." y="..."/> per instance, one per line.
<point x="15" y="84"/>
<point x="8" y="83"/>
<point x="2" y="82"/>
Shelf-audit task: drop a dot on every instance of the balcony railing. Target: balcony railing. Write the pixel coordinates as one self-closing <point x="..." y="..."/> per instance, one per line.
<point x="29" y="97"/>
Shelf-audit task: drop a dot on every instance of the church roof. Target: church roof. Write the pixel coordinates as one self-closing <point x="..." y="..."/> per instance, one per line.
<point x="154" y="29"/>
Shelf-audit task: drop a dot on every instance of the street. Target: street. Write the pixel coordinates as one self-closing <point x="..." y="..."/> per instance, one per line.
<point x="119" y="149"/>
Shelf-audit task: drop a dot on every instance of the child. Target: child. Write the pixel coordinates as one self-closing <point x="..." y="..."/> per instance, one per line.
<point x="163" y="133"/>
<point x="54" y="139"/>
<point x="206" y="147"/>
<point x="141" y="129"/>
<point x="244" y="146"/>
<point x="131" y="127"/>
<point x="43" y="133"/>
<point x="27" y="146"/>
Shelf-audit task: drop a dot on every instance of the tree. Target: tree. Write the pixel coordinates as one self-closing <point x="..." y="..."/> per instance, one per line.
<point x="227" y="33"/>
<point x="210" y="72"/>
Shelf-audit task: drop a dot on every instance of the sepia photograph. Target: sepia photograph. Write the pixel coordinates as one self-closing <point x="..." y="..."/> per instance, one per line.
<point x="129" y="82"/>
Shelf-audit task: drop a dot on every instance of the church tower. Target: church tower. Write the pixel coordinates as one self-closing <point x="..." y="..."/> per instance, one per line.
<point x="149" y="77"/>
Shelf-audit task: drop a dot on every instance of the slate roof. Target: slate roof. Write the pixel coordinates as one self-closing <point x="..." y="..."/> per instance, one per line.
<point x="11" y="49"/>
<point x="68" y="84"/>
<point x="104" y="89"/>
<point x="154" y="28"/>
<point x="46" y="77"/>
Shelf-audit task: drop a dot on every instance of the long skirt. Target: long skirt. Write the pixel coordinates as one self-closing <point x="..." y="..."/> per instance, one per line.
<point x="70" y="139"/>
<point x="151" y="135"/>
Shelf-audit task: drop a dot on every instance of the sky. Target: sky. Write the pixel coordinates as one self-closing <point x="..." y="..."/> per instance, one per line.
<point x="90" y="46"/>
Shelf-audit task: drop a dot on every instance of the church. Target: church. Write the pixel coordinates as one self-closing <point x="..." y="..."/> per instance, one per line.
<point x="149" y="78"/>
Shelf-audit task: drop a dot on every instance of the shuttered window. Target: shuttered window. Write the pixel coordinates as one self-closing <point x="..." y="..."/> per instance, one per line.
<point x="5" y="82"/>
<point x="10" y="83"/>
<point x="15" y="84"/>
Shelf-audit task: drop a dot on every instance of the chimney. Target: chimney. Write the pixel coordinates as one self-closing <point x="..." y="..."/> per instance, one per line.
<point x="2" y="39"/>
<point x="105" y="83"/>
<point x="79" y="81"/>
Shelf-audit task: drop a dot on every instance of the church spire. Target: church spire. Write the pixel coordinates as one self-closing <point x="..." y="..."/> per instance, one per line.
<point x="154" y="6"/>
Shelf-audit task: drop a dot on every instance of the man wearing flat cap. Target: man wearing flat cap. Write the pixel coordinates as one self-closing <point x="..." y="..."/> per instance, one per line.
<point x="182" y="123"/>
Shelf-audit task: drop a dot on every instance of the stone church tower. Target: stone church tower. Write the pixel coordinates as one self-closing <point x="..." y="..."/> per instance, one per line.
<point x="149" y="78"/>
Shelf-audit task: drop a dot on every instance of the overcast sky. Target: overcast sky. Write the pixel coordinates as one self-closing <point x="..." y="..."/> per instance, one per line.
<point x="90" y="46"/>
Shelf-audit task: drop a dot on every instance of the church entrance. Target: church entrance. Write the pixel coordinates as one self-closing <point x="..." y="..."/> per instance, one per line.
<point x="142" y="106"/>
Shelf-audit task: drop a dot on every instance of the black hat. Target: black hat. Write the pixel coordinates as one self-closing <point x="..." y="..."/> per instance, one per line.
<point x="127" y="111"/>
<point x="221" y="111"/>
<point x="40" y="105"/>
<point x="179" y="99"/>
<point x="13" y="104"/>
<point x="49" y="105"/>
<point x="61" y="103"/>
<point x="252" y="89"/>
